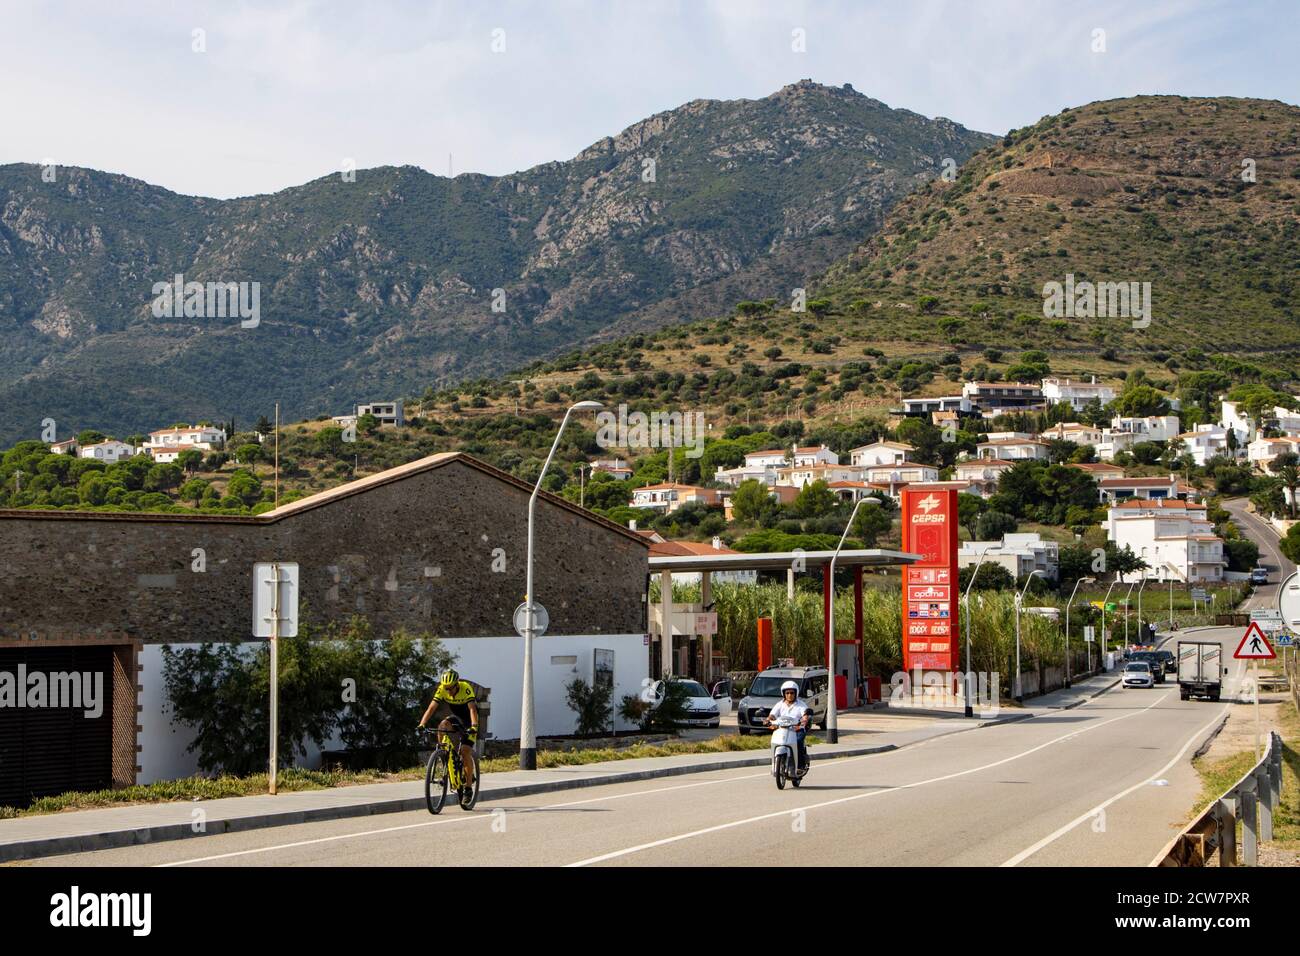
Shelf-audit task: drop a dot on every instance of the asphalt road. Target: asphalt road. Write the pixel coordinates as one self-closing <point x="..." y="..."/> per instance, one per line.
<point x="1270" y="555"/>
<point x="1108" y="782"/>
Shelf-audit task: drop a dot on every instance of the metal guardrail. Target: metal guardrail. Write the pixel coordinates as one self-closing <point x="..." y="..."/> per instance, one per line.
<point x="1251" y="800"/>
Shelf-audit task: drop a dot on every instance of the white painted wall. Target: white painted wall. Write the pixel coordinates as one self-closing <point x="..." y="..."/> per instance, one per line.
<point x="495" y="662"/>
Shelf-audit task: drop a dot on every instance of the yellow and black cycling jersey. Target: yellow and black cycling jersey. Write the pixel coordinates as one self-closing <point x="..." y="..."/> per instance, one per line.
<point x="458" y="697"/>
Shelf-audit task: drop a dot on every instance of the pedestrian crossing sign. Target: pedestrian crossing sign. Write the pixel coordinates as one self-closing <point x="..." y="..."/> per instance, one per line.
<point x="1254" y="645"/>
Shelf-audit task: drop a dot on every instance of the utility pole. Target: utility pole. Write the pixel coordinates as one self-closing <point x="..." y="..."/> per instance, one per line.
<point x="277" y="454"/>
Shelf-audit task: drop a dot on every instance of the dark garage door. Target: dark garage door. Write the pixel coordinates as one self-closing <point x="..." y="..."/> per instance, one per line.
<point x="47" y="750"/>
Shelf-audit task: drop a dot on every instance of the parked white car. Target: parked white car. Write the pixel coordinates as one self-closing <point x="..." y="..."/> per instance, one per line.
<point x="1138" y="674"/>
<point x="702" y="709"/>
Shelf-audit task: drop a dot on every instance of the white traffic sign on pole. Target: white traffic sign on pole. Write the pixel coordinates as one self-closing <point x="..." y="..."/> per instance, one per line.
<point x="1254" y="645"/>
<point x="541" y="620"/>
<point x="1089" y="633"/>
<point x="271" y="608"/>
<point x="275" y="615"/>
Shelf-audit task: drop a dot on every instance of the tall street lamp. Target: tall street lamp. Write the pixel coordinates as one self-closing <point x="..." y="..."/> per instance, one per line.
<point x="1104" y="635"/>
<point x="1067" y="624"/>
<point x="1126" y="607"/>
<point x="1020" y="698"/>
<point x="970" y="709"/>
<point x="1140" y="587"/>
<point x="832" y="728"/>
<point x="527" y="735"/>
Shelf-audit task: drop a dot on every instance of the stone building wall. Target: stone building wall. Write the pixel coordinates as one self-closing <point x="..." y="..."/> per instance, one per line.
<point x="437" y="545"/>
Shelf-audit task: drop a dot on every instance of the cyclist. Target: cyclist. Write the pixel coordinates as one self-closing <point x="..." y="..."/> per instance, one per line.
<point x="792" y="706"/>
<point x="459" y="697"/>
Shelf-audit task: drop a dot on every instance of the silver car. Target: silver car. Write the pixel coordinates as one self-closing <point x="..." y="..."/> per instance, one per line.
<point x="765" y="693"/>
<point x="1138" y="674"/>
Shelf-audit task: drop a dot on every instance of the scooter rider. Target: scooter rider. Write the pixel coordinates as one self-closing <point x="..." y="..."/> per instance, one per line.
<point x="791" y="706"/>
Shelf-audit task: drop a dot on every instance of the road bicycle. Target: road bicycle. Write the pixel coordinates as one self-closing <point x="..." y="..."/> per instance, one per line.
<point x="445" y="770"/>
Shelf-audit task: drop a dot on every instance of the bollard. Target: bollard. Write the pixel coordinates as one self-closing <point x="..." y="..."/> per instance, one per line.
<point x="1264" y="787"/>
<point x="1226" y="812"/>
<point x="1249" y="827"/>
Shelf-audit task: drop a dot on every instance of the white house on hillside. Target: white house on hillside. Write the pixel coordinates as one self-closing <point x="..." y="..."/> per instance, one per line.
<point x="880" y="453"/>
<point x="1205" y="443"/>
<point x="1020" y="554"/>
<point x="1078" y="394"/>
<point x="205" y="437"/>
<point x="1174" y="538"/>
<point x="1013" y="449"/>
<point x="1263" y="451"/>
<point x="109" y="451"/>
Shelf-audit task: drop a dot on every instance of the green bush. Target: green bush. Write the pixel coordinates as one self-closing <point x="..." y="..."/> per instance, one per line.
<point x="591" y="704"/>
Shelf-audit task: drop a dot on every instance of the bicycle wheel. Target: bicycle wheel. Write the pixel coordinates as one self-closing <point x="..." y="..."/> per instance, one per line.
<point x="469" y="795"/>
<point x="435" y="781"/>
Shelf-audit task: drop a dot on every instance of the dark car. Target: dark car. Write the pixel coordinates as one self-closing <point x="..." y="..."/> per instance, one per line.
<point x="1157" y="662"/>
<point x="1169" y="660"/>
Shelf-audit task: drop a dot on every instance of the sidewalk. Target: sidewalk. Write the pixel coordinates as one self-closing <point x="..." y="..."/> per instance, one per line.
<point x="85" y="830"/>
<point x="1063" y="698"/>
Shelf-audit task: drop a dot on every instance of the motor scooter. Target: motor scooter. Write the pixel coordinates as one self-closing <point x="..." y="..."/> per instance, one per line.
<point x="785" y="753"/>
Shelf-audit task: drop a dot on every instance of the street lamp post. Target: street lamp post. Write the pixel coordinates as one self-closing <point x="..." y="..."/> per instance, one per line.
<point x="1067" y="624"/>
<point x="582" y="486"/>
<point x="1105" y="636"/>
<point x="1127" y="597"/>
<point x="527" y="735"/>
<point x="832" y="727"/>
<point x="1140" y="587"/>
<point x="1019" y="599"/>
<point x="970" y="709"/>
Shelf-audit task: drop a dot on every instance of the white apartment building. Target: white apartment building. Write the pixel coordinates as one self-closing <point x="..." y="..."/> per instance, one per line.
<point x="110" y="451"/>
<point x="802" y="475"/>
<point x="1078" y="394"/>
<point x="1205" y="442"/>
<point x="733" y="477"/>
<point x="1148" y="489"/>
<point x="995" y="397"/>
<point x="942" y="403"/>
<point x="1231" y="416"/>
<point x="1286" y="420"/>
<point x="1076" y="432"/>
<point x="667" y="497"/>
<point x="780" y="458"/>
<point x="1174" y="538"/>
<point x="68" y="447"/>
<point x="1013" y="449"/>
<point x="206" y="437"/>
<point x="906" y="471"/>
<point x="1020" y="554"/>
<point x="880" y="453"/>
<point x="1262" y="451"/>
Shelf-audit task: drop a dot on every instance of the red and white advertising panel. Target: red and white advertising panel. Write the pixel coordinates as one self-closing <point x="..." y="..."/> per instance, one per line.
<point x="930" y="585"/>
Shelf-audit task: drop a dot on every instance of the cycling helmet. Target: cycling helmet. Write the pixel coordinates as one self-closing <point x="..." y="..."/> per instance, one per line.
<point x="449" y="678"/>
<point x="789" y="685"/>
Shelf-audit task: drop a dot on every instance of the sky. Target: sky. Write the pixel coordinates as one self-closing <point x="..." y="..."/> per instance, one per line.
<point x="235" y="98"/>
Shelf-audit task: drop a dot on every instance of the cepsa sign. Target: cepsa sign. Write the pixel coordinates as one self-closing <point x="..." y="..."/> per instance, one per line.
<point x="930" y="586"/>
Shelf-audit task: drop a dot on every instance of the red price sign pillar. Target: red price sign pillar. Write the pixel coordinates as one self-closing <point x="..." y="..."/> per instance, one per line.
<point x="930" y="585"/>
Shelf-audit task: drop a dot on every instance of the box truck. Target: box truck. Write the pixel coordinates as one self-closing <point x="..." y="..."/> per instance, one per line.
<point x="1200" y="669"/>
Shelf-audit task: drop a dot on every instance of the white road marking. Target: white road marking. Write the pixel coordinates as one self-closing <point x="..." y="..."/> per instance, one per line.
<point x="1053" y="837"/>
<point x="464" y="819"/>
<point x="860" y="796"/>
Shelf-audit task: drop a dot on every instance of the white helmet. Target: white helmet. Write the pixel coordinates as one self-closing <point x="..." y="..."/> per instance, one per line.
<point x="789" y="685"/>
